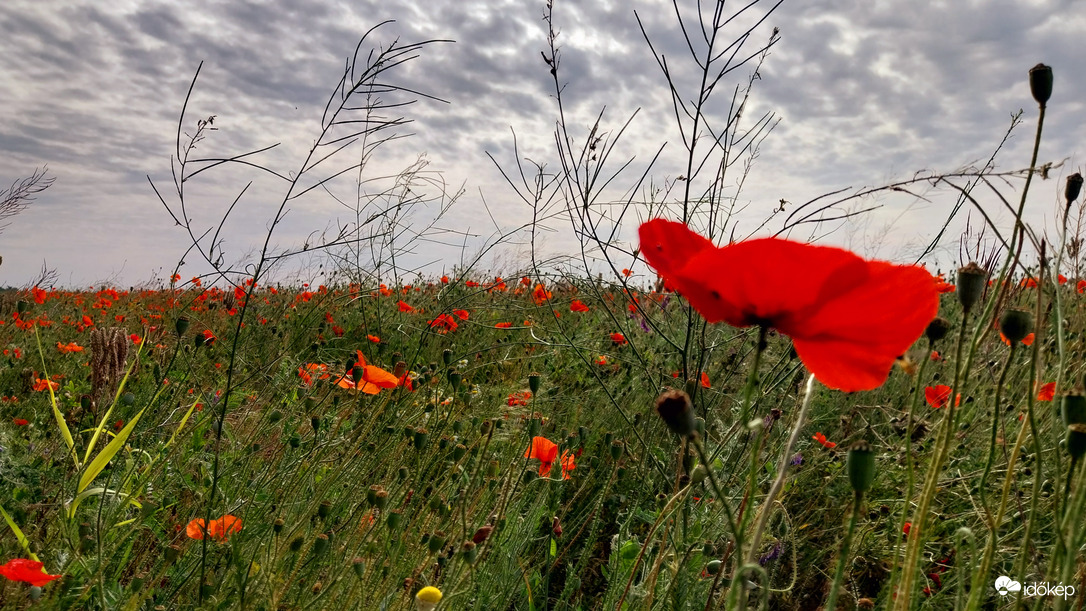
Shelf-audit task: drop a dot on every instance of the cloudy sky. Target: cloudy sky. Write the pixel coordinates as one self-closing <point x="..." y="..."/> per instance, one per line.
<point x="861" y="93"/>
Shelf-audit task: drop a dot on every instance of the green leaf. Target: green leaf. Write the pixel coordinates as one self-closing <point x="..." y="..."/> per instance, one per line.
<point x="99" y="463"/>
<point x="61" y="424"/>
<point x="105" y="418"/>
<point x="554" y="548"/>
<point x="19" y="533"/>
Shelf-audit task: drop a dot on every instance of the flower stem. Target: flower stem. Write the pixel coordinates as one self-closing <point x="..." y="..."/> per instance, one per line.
<point x="831" y="602"/>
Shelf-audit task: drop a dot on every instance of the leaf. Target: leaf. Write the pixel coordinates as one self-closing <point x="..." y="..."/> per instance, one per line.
<point x="101" y="492"/>
<point x="554" y="548"/>
<point x="18" y="533"/>
<point x="61" y="424"/>
<point x="105" y="417"/>
<point x="99" y="463"/>
<point x="184" y="420"/>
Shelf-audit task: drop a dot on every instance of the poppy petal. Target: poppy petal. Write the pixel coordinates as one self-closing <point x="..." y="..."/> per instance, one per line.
<point x="380" y="377"/>
<point x="196" y="529"/>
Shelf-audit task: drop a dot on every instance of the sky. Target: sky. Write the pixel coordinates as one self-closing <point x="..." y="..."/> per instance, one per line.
<point x="859" y="94"/>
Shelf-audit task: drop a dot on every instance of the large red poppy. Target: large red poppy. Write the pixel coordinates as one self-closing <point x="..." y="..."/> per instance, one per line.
<point x="27" y="571"/>
<point x="848" y="318"/>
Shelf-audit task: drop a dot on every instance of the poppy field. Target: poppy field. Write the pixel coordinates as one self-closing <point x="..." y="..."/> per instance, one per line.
<point x="681" y="418"/>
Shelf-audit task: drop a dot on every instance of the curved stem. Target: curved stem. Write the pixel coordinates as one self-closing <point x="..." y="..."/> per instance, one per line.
<point x="831" y="602"/>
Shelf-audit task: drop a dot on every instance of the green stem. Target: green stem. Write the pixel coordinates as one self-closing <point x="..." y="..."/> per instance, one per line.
<point x="831" y="602"/>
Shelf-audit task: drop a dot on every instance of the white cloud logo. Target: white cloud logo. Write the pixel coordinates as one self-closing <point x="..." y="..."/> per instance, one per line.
<point x="1005" y="585"/>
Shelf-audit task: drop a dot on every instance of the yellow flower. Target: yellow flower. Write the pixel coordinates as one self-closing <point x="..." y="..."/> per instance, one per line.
<point x="427" y="598"/>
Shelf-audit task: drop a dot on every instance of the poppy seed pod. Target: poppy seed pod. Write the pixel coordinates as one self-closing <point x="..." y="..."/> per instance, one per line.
<point x="277" y="525"/>
<point x="393" y="519"/>
<point x="358" y="565"/>
<point x="937" y="329"/>
<point x="534" y="380"/>
<point x="420" y="438"/>
<point x="861" y="466"/>
<point x="320" y="545"/>
<point x="1073" y="408"/>
<point x="1074" y="186"/>
<point x="674" y="408"/>
<point x="454" y="379"/>
<point x="21" y="306"/>
<point x="1015" y="324"/>
<point x="970" y="285"/>
<point x="1076" y="440"/>
<point x="182" y="324"/>
<point x="446" y="356"/>
<point x="469" y="552"/>
<point x="436" y="542"/>
<point x="1040" y="83"/>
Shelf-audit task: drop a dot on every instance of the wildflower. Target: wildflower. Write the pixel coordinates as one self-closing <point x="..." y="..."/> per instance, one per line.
<point x="471" y="284"/>
<point x="40" y="385"/>
<point x="1027" y="340"/>
<point x="943" y="286"/>
<point x="461" y="314"/>
<point x="797" y="460"/>
<point x="1047" y="392"/>
<point x="907" y="528"/>
<point x="540" y="294"/>
<point x="568" y="462"/>
<point x="444" y="280"/>
<point x="577" y="306"/>
<point x="1028" y="283"/>
<point x="427" y="598"/>
<point x="69" y="347"/>
<point x="848" y="318"/>
<point x="940" y="395"/>
<point x="26" y="571"/>
<point x="136" y="339"/>
<point x="503" y="325"/>
<point x="444" y="323"/>
<point x="935" y="356"/>
<point x="20" y="421"/>
<point x="219" y="529"/>
<point x="519" y="398"/>
<point x="618" y="339"/>
<point x="626" y="272"/>
<point x="601" y="360"/>
<point x="374" y="339"/>
<point x="373" y="378"/>
<point x="820" y="438"/>
<point x="404" y="307"/>
<point x="1081" y="286"/>
<point x="1061" y="278"/>
<point x="39" y="295"/>
<point x="209" y="337"/>
<point x="546" y="451"/>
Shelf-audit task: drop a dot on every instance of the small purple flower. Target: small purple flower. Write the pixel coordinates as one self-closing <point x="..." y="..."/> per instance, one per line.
<point x="797" y="460"/>
<point x="773" y="554"/>
<point x="645" y="325"/>
<point x="666" y="300"/>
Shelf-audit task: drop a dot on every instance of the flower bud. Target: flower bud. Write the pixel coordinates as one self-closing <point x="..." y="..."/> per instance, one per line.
<point x="675" y="410"/>
<point x="971" y="281"/>
<point x="1074" y="186"/>
<point x="182" y="324"/>
<point x="937" y="329"/>
<point x="861" y="466"/>
<point x="1040" y="83"/>
<point x="1015" y="324"/>
<point x="481" y="534"/>
<point x="713" y="567"/>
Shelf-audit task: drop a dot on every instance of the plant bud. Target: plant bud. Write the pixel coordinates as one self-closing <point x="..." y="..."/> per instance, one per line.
<point x="469" y="552"/>
<point x="937" y="329"/>
<point x="446" y="356"/>
<point x="534" y="379"/>
<point x="971" y="282"/>
<point x="182" y="324"/>
<point x="358" y="565"/>
<point x="1016" y="324"/>
<point x="861" y="466"/>
<point x="381" y="500"/>
<point x="676" y="411"/>
<point x="1074" y="186"/>
<point x="482" y="534"/>
<point x="320" y="545"/>
<point x="1040" y="83"/>
<point x="713" y="567"/>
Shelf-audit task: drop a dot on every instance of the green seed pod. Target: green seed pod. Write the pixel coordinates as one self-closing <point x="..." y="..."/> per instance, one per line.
<point x="35" y="593"/>
<point x="402" y="473"/>
<point x="137" y="583"/>
<point x="459" y="451"/>
<point x="420" y="438"/>
<point x="171" y="553"/>
<point x="1076" y="440"/>
<point x="937" y="329"/>
<point x="484" y="427"/>
<point x="275" y="416"/>
<point x="393" y="519"/>
<point x="358" y="565"/>
<point x="493" y="468"/>
<point x="691" y="386"/>
<point x="295" y="440"/>
<point x="310" y="404"/>
<point x="616" y="449"/>
<point x="181" y="325"/>
<point x="458" y="426"/>
<point x="381" y="500"/>
<point x="21" y="306"/>
<point x="533" y="427"/>
<point x="128" y="399"/>
<point x="324" y="509"/>
<point x="85" y="402"/>
<point x="534" y="379"/>
<point x="861" y="466"/>
<point x="320" y="545"/>
<point x="713" y="567"/>
<point x="436" y="542"/>
<point x="371" y="495"/>
<point x="296" y="543"/>
<point x="1016" y="324"/>
<point x="675" y="410"/>
<point x="454" y="379"/>
<point x="1040" y="83"/>
<point x="469" y="552"/>
<point x="1073" y="408"/>
<point x="971" y="282"/>
<point x="446" y="356"/>
<point x="277" y="525"/>
<point x="357" y="373"/>
<point x="198" y="340"/>
<point x="699" y="474"/>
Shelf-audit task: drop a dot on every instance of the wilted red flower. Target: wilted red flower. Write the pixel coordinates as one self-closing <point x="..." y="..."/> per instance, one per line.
<point x="939" y="396"/>
<point x="219" y="529"/>
<point x="26" y="571"/>
<point x="503" y="325"/>
<point x="1047" y="392"/>
<point x="820" y="438"/>
<point x="618" y="339"/>
<point x="848" y="318"/>
<point x="577" y="306"/>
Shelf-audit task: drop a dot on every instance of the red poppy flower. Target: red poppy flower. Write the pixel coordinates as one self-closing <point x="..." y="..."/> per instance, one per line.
<point x="519" y="398"/>
<point x="374" y="339"/>
<point x="540" y="294"/>
<point x="20" y="421"/>
<point x="209" y="337"/>
<point x="626" y="272"/>
<point x="939" y="396"/>
<point x="577" y="306"/>
<point x="444" y="280"/>
<point x="136" y="339"/>
<point x="26" y="571"/>
<point x="503" y="325"/>
<point x="1081" y="286"/>
<point x="1061" y="278"/>
<point x="404" y="307"/>
<point x="544" y="450"/>
<point x="471" y="284"/>
<point x="41" y="385"/>
<point x="820" y="438"/>
<point x="461" y="314"/>
<point x="618" y="339"/>
<point x="848" y="318"/>
<point x="1047" y="392"/>
<point x="568" y="462"/>
<point x="219" y="529"/>
<point x="39" y="295"/>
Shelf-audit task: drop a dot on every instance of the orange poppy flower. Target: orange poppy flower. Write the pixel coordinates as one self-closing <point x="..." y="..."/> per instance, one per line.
<point x="540" y="294"/>
<point x="503" y="325"/>
<point x="848" y="318"/>
<point x="219" y="529"/>
<point x="519" y="398"/>
<point x="69" y="347"/>
<point x="1026" y="341"/>
<point x="544" y="450"/>
<point x="374" y="339"/>
<point x="577" y="306"/>
<point x="618" y="339"/>
<point x="1047" y="392"/>
<point x="940" y="395"/>
<point x="373" y="378"/>
<point x="820" y="438"/>
<point x="41" y="385"/>
<point x="404" y="307"/>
